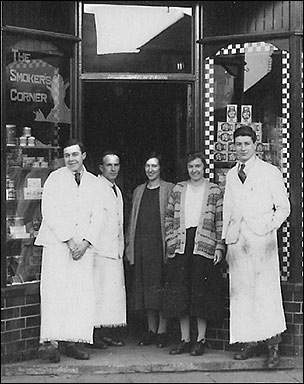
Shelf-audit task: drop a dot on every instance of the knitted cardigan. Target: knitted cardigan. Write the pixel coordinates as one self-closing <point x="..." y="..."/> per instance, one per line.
<point x="209" y="230"/>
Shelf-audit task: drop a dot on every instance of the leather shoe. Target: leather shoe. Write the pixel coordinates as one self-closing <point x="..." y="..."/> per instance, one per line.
<point x="73" y="351"/>
<point x="148" y="339"/>
<point x="161" y="340"/>
<point x="98" y="344"/>
<point x="273" y="357"/>
<point x="182" y="347"/>
<point x="198" y="349"/>
<point x="113" y="343"/>
<point x="247" y="351"/>
<point x="47" y="351"/>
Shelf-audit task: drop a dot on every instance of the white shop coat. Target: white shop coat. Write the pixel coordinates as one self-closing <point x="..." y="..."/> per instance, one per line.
<point x="109" y="279"/>
<point x="67" y="291"/>
<point x="254" y="200"/>
<point x="253" y="212"/>
<point x="110" y="240"/>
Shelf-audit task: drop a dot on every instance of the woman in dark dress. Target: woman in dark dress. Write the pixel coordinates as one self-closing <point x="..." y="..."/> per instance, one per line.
<point x="146" y="249"/>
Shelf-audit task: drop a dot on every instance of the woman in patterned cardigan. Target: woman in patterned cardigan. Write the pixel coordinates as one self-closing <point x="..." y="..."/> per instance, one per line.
<point x="193" y="224"/>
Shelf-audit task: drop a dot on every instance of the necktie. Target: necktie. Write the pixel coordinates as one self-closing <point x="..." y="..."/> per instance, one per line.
<point x="77" y="177"/>
<point x="114" y="189"/>
<point x="242" y="174"/>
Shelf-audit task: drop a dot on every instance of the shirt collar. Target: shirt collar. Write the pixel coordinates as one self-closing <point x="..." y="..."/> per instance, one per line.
<point x="81" y="172"/>
<point x="108" y="181"/>
<point x="248" y="164"/>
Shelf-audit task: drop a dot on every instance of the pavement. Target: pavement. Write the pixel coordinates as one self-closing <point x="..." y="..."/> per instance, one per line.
<point x="132" y="358"/>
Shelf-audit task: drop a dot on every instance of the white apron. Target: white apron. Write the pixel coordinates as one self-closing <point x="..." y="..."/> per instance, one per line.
<point x="256" y="311"/>
<point x="110" y="292"/>
<point x="67" y="300"/>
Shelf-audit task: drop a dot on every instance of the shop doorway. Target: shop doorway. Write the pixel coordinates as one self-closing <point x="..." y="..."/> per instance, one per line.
<point x="135" y="119"/>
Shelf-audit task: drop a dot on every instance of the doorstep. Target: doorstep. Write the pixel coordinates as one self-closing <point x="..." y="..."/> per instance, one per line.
<point x="134" y="359"/>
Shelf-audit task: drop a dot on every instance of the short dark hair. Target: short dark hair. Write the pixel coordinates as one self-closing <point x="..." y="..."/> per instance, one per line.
<point x="154" y="155"/>
<point x="196" y="155"/>
<point x="71" y="142"/>
<point x="108" y="152"/>
<point x="245" y="130"/>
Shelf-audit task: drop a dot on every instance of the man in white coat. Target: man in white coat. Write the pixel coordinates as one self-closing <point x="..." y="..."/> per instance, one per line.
<point x="71" y="220"/>
<point x="109" y="278"/>
<point x="255" y="206"/>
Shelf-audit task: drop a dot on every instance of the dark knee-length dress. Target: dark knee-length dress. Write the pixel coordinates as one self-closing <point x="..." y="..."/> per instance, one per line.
<point x="147" y="279"/>
<point x="194" y="285"/>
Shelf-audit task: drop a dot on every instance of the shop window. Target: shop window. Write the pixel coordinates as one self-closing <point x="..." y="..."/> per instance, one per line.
<point x="249" y="84"/>
<point x="41" y="15"/>
<point x="250" y="87"/>
<point x="38" y="121"/>
<point x="125" y="38"/>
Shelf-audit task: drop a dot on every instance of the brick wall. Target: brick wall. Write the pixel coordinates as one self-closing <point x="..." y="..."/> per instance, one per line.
<point x="20" y="323"/>
<point x="292" y="338"/>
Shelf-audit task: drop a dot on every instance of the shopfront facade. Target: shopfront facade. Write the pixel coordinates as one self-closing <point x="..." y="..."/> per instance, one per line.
<point x="208" y="68"/>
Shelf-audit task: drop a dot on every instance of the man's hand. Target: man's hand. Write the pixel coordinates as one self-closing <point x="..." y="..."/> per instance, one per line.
<point x="71" y="244"/>
<point x="80" y="249"/>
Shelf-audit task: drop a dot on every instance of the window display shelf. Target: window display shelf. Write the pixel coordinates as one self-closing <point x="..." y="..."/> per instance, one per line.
<point x="32" y="146"/>
<point x="15" y="201"/>
<point x="38" y="118"/>
<point x="13" y="239"/>
<point x="27" y="168"/>
<point x="224" y="164"/>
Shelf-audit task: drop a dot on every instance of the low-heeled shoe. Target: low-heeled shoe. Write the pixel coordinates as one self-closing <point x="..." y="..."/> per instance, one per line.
<point x="148" y="339"/>
<point x="247" y="351"/>
<point x="198" y="349"/>
<point x="98" y="344"/>
<point x="47" y="351"/>
<point x="76" y="352"/>
<point x="161" y="340"/>
<point x="182" y="347"/>
<point x="113" y="342"/>
<point x="273" y="358"/>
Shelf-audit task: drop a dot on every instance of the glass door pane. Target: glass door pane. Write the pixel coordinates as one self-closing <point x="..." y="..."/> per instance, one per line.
<point x="136" y="39"/>
<point x="136" y="119"/>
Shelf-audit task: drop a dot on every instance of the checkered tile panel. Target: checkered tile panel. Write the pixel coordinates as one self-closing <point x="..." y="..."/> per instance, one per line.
<point x="33" y="63"/>
<point x="209" y="117"/>
<point x="285" y="273"/>
<point x="302" y="137"/>
<point x="209" y="127"/>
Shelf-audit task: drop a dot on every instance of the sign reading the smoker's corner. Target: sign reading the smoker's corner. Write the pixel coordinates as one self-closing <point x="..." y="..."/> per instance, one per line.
<point x="28" y="79"/>
<point x="37" y="88"/>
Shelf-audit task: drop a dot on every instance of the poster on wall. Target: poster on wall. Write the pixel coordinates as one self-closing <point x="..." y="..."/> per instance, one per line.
<point x="231" y="114"/>
<point x="37" y="93"/>
<point x="224" y="149"/>
<point x="246" y="114"/>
